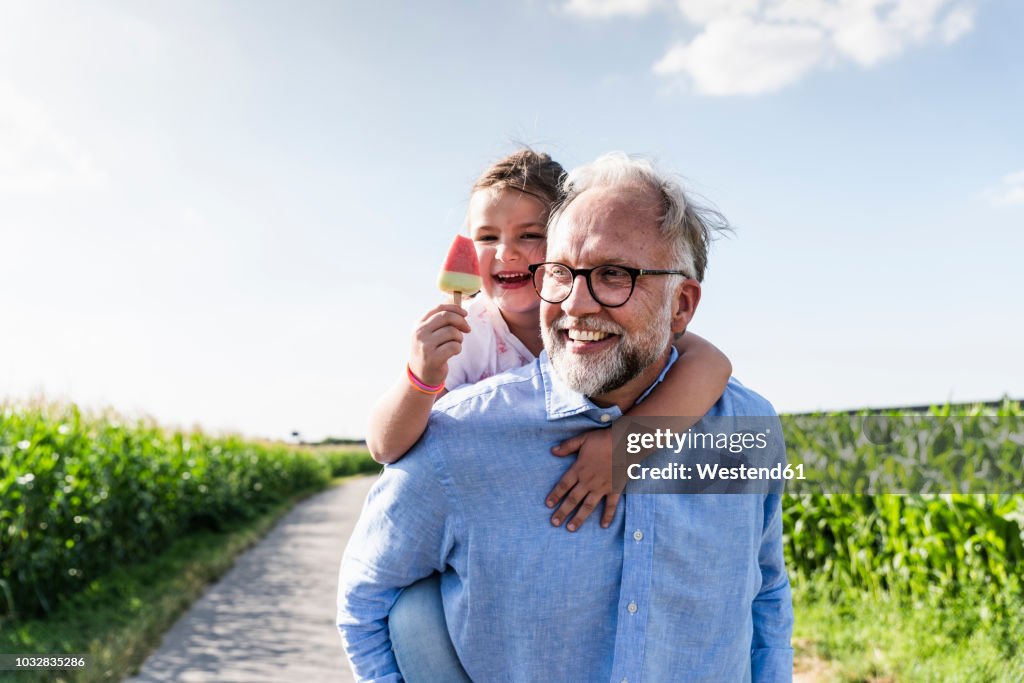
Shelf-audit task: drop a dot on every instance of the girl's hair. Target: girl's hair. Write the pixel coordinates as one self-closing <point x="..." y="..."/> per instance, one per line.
<point x="526" y="171"/>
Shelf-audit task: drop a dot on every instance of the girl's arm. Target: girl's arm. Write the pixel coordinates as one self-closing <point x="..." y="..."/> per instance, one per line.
<point x="400" y="417"/>
<point x="398" y="421"/>
<point x="691" y="387"/>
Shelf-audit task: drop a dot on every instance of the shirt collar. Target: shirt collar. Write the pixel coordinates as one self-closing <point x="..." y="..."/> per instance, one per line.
<point x="560" y="401"/>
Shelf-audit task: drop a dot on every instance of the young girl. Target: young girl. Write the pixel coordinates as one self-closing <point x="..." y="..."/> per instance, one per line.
<point x="500" y="330"/>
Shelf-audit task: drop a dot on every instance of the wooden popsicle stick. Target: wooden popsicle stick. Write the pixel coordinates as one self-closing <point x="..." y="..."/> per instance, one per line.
<point x="458" y="298"/>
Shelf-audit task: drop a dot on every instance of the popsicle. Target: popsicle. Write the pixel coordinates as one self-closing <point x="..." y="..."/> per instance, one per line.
<point x="460" y="273"/>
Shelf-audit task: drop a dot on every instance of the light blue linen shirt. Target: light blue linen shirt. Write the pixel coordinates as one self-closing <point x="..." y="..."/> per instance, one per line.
<point x="680" y="587"/>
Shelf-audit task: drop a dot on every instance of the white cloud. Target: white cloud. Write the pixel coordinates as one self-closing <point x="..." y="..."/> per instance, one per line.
<point x="600" y="9"/>
<point x="35" y="156"/>
<point x="956" y="24"/>
<point x="871" y="31"/>
<point x="1009" y="191"/>
<point x="748" y="47"/>
<point x="774" y="56"/>
<point x="707" y="11"/>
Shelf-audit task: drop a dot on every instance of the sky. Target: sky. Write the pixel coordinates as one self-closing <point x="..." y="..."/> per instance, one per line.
<point x="231" y="214"/>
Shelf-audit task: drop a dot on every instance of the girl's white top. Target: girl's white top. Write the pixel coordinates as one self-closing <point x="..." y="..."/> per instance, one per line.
<point x="490" y="347"/>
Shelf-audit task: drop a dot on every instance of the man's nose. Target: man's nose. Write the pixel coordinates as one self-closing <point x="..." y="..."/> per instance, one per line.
<point x="580" y="301"/>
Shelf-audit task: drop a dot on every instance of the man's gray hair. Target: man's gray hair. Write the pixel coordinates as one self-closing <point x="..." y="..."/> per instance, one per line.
<point x="689" y="227"/>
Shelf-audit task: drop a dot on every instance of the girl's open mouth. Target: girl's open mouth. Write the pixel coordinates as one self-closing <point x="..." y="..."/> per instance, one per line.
<point x="508" y="280"/>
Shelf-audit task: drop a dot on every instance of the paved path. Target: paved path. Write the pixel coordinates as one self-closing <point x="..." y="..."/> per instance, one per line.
<point x="271" y="617"/>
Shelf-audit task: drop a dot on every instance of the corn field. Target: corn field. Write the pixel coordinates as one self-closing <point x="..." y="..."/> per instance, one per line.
<point x="80" y="495"/>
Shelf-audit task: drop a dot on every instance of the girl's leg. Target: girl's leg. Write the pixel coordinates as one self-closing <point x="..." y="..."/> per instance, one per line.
<point x="419" y="636"/>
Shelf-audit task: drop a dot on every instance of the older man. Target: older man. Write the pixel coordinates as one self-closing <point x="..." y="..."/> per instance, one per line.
<point x="680" y="587"/>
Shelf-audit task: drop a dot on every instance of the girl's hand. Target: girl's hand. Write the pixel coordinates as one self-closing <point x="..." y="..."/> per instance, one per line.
<point x="587" y="481"/>
<point x="437" y="337"/>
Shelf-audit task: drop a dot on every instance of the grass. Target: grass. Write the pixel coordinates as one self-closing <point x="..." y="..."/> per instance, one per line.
<point x="120" y="618"/>
<point x="346" y="461"/>
<point x="862" y="639"/>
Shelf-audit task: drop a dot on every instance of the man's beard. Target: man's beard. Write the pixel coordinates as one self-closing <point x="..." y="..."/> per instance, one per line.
<point x="596" y="374"/>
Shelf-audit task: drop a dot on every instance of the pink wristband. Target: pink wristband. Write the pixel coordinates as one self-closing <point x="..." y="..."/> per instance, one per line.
<point x="419" y="385"/>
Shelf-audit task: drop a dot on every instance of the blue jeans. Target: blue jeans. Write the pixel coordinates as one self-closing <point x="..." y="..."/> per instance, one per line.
<point x="419" y="636"/>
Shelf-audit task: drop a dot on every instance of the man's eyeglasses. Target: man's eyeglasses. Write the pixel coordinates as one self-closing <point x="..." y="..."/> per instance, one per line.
<point x="611" y="286"/>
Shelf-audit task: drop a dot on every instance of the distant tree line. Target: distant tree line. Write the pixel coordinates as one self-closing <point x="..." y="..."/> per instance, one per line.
<point x="335" y="441"/>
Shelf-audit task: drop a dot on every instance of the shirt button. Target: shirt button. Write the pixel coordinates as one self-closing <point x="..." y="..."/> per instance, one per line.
<point x="631" y="607"/>
<point x="606" y="417"/>
<point x="638" y="535"/>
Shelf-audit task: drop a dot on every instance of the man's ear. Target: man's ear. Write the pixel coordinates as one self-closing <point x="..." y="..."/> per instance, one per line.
<point x="684" y="305"/>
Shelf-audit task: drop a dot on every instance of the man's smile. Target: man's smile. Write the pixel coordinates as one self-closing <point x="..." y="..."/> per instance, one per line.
<point x="587" y="341"/>
<point x="586" y="335"/>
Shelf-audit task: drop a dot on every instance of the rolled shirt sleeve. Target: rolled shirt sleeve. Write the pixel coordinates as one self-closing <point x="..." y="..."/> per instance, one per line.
<point x="405" y="532"/>
<point x="771" y="647"/>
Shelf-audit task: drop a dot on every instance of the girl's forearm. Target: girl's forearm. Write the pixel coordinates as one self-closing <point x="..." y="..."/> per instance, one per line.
<point x="397" y="422"/>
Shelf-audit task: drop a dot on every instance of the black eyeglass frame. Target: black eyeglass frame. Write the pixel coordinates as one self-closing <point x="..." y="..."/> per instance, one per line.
<point x="634" y="273"/>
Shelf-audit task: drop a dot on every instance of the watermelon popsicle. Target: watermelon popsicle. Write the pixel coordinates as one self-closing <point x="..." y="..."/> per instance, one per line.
<point x="460" y="273"/>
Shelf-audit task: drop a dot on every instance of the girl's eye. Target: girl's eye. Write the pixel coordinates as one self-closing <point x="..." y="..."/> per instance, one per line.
<point x="485" y="238"/>
<point x="533" y="236"/>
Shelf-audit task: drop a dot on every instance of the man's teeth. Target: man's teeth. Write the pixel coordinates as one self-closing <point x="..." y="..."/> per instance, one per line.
<point x="587" y="335"/>
<point x="512" y="278"/>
